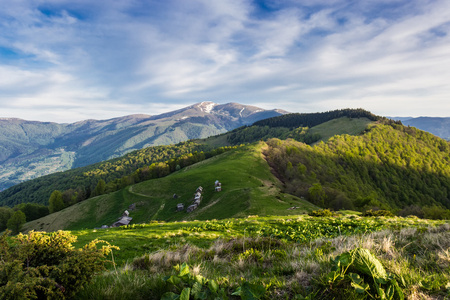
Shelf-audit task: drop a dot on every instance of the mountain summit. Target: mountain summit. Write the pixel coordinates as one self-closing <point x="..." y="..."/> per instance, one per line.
<point x="29" y="149"/>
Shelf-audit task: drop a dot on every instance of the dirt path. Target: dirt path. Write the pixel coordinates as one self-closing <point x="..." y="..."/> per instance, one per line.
<point x="160" y="209"/>
<point x="130" y="189"/>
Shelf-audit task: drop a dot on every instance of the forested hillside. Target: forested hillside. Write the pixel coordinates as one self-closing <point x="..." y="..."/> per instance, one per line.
<point x="78" y="184"/>
<point x="390" y="166"/>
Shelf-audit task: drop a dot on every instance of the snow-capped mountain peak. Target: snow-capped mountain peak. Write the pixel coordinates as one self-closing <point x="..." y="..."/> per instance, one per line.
<point x="206" y="106"/>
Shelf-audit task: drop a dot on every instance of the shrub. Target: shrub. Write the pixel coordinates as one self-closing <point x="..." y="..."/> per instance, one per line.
<point x="252" y="255"/>
<point x="377" y="213"/>
<point x="44" y="266"/>
<point x="321" y="213"/>
<point x="436" y="213"/>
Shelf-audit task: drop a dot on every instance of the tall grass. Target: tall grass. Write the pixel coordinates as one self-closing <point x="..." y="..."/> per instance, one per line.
<point x="418" y="258"/>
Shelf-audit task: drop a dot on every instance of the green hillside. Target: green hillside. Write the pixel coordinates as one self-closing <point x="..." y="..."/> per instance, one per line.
<point x="390" y="166"/>
<point x="248" y="188"/>
<point x="78" y="184"/>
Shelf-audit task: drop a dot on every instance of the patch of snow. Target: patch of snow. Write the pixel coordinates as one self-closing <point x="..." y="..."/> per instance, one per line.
<point x="258" y="110"/>
<point x="240" y="113"/>
<point x="206" y="106"/>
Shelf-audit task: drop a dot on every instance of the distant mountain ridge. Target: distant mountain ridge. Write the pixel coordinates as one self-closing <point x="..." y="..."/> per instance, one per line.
<point x="29" y="149"/>
<point x="435" y="125"/>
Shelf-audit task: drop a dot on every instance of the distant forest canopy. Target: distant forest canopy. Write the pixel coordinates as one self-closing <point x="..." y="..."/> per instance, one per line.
<point x="295" y="126"/>
<point x="314" y="119"/>
<point x="390" y="167"/>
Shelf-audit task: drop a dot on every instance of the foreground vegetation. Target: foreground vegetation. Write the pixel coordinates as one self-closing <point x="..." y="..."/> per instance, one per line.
<point x="296" y="257"/>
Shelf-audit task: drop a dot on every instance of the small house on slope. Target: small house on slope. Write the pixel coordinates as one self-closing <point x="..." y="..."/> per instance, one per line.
<point x="180" y="206"/>
<point x="122" y="221"/>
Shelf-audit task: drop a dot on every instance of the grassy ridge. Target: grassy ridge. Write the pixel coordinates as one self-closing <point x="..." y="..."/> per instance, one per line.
<point x="248" y="187"/>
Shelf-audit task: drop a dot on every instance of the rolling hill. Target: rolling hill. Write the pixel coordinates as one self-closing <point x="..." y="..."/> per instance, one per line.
<point x="30" y="149"/>
<point x="248" y="188"/>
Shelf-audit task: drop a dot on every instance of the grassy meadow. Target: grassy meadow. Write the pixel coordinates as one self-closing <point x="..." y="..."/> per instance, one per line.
<point x="248" y="187"/>
<point x="288" y="257"/>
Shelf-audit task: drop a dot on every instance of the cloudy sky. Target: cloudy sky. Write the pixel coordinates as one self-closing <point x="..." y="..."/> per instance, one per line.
<point x="65" y="60"/>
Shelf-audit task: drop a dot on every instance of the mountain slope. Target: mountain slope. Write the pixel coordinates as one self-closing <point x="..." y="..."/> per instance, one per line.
<point x="248" y="188"/>
<point x="390" y="166"/>
<point x="30" y="149"/>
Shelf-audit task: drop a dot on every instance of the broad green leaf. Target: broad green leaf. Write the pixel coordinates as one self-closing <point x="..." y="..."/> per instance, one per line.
<point x="360" y="288"/>
<point x="249" y="291"/>
<point x="213" y="286"/>
<point x="345" y="259"/>
<point x="355" y="278"/>
<point x="185" y="293"/>
<point x="358" y="283"/>
<point x="200" y="279"/>
<point x="170" y="296"/>
<point x="196" y="290"/>
<point x="184" y="270"/>
<point x="175" y="280"/>
<point x="367" y="263"/>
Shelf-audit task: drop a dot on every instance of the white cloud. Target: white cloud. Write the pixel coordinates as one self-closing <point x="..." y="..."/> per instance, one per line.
<point x="306" y="55"/>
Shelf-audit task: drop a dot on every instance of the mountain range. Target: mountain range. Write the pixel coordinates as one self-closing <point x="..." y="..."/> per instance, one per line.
<point x="436" y="126"/>
<point x="30" y="149"/>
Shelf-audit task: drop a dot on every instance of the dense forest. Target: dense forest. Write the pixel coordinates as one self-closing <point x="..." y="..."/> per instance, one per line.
<point x="250" y="134"/>
<point x="391" y="167"/>
<point x="314" y="119"/>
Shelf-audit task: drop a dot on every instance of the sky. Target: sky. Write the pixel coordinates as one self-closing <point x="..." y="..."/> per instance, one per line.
<point x="66" y="61"/>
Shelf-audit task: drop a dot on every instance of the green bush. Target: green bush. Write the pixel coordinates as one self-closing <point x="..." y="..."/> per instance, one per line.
<point x="47" y="266"/>
<point x="377" y="213"/>
<point x="321" y="213"/>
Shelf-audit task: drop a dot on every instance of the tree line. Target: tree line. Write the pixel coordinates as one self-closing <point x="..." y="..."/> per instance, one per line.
<point x="313" y="119"/>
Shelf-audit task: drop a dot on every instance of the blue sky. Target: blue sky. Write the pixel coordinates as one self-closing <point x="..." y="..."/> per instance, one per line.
<point x="65" y="61"/>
